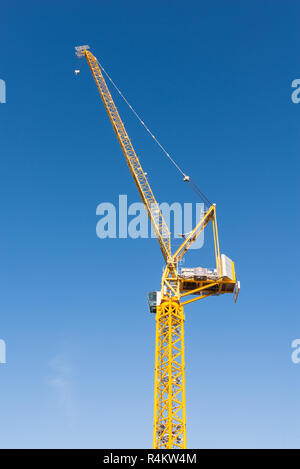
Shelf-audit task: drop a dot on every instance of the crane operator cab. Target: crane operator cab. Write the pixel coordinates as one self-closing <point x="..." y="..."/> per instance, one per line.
<point x="154" y="300"/>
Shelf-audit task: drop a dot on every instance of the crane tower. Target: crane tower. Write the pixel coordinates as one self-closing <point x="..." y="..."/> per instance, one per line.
<point x="178" y="286"/>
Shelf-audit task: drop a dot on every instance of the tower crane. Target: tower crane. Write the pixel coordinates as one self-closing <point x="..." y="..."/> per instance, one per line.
<point x="178" y="286"/>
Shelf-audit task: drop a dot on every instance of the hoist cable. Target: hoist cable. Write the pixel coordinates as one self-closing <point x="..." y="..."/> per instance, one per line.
<point x="185" y="177"/>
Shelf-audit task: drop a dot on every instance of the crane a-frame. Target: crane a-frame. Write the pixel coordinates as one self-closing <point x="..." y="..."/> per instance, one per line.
<point x="169" y="429"/>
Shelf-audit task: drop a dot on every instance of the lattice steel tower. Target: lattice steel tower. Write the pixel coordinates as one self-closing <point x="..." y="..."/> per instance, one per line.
<point x="169" y="429"/>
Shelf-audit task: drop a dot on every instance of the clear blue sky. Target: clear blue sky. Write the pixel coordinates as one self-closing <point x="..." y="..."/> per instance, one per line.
<point x="213" y="80"/>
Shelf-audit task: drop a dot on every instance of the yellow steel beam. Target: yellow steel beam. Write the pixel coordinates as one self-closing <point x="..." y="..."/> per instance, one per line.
<point x="190" y="292"/>
<point x="196" y="299"/>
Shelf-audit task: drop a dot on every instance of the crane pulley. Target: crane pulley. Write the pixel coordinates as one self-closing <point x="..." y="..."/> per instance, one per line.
<point x="169" y="429"/>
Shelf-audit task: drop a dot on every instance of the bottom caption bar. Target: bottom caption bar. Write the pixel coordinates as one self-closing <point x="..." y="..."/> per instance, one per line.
<point x="93" y="458"/>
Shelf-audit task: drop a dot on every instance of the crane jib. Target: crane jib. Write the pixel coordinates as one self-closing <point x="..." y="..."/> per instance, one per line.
<point x="160" y="227"/>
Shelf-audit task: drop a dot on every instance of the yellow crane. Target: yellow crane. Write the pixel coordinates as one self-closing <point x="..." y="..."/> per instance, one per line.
<point x="169" y="428"/>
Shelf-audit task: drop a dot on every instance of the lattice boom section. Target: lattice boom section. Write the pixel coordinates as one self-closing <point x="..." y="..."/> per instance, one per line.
<point x="159" y="225"/>
<point x="169" y="397"/>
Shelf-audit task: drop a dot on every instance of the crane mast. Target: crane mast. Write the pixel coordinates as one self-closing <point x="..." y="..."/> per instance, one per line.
<point x="169" y="429"/>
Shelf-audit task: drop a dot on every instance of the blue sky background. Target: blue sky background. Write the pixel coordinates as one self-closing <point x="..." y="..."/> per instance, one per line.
<point x="213" y="81"/>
